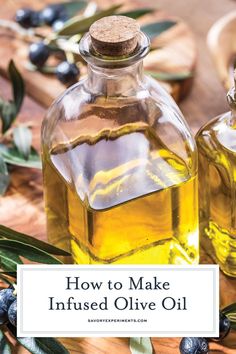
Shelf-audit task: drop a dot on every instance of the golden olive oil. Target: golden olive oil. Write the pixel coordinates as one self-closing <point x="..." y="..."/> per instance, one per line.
<point x="121" y="199"/>
<point x="217" y="191"/>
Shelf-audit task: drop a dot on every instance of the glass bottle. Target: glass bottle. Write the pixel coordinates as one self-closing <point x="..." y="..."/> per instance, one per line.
<point x="119" y="161"/>
<point x="217" y="187"/>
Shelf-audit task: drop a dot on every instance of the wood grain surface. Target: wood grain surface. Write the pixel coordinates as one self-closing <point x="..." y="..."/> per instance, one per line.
<point x="176" y="43"/>
<point x="22" y="207"/>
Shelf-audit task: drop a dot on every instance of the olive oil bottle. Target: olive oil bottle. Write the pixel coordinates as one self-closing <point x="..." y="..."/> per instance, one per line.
<point x="119" y="162"/>
<point x="217" y="187"/>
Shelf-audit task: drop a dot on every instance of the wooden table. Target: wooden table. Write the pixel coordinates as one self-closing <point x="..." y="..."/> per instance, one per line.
<point x="25" y="211"/>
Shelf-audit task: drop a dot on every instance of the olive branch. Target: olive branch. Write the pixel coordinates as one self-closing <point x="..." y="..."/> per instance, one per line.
<point x="15" y="247"/>
<point x="62" y="42"/>
<point x="15" y="139"/>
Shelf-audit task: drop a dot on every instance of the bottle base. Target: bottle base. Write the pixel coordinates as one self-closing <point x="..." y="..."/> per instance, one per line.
<point x="166" y="251"/>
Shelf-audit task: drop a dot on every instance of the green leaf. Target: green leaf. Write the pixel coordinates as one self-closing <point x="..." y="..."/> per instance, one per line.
<point x="8" y="266"/>
<point x="229" y="309"/>
<point x="140" y="345"/>
<point x="232" y="317"/>
<point x="4" y="176"/>
<point x="22" y="137"/>
<point x="43" y="345"/>
<point x="9" y="110"/>
<point x="73" y="7"/>
<point x="3" y="166"/>
<point x="154" y="29"/>
<point x="12" y="156"/>
<point x="18" y="87"/>
<point x="169" y="76"/>
<point x="77" y="25"/>
<point x="4" y="346"/>
<point x="30" y="252"/>
<point x="11" y="234"/>
<point x="230" y="312"/>
<point x="9" y="260"/>
<point x="136" y="13"/>
<point x="8" y="114"/>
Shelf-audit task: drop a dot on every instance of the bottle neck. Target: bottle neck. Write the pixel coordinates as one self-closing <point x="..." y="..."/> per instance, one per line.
<point x="115" y="81"/>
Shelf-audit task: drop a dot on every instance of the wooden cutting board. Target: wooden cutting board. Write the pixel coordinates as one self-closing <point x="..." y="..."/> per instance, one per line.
<point x="177" y="52"/>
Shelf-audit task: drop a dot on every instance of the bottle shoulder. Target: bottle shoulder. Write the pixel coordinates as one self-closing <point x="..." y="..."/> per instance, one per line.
<point x="219" y="134"/>
<point x="169" y="107"/>
<point x="92" y="117"/>
<point x="156" y="103"/>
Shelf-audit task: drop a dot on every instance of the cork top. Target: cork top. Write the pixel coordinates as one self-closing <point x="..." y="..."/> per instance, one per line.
<point x="114" y="35"/>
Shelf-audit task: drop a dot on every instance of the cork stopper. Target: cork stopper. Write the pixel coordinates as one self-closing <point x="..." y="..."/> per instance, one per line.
<point x="114" y="35"/>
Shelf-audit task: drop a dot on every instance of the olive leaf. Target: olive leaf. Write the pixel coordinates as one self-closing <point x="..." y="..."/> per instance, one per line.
<point x="80" y="25"/>
<point x="9" y="260"/>
<point x="39" y="345"/>
<point x="230" y="312"/>
<point x="4" y="176"/>
<point x="42" y="345"/>
<point x="18" y="86"/>
<point x="232" y="317"/>
<point x="21" y="153"/>
<point x="140" y="345"/>
<point x="22" y="138"/>
<point x="10" y="234"/>
<point x="7" y="114"/>
<point x="4" y="346"/>
<point x="154" y="29"/>
<point x="11" y="155"/>
<point x="10" y="109"/>
<point x="229" y="309"/>
<point x="136" y="13"/>
<point x="29" y="252"/>
<point x="71" y="7"/>
<point x="170" y="76"/>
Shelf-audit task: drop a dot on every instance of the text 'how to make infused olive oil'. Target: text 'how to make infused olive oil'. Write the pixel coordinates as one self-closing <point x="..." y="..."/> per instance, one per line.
<point x="119" y="161"/>
<point x="217" y="187"/>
